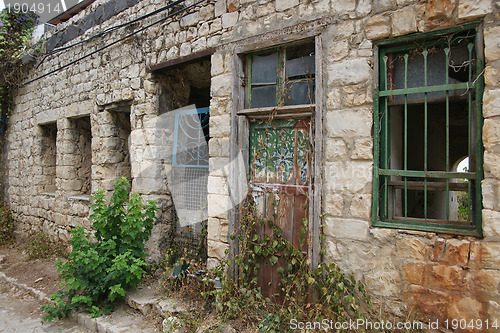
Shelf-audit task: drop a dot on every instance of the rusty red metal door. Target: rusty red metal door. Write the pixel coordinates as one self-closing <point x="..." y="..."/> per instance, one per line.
<point x="280" y="164"/>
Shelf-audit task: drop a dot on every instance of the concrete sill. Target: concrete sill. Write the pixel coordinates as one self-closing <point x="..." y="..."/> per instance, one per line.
<point x="52" y="195"/>
<point x="80" y="198"/>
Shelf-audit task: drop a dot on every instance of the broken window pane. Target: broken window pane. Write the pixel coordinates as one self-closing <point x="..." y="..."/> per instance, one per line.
<point x="299" y="92"/>
<point x="263" y="96"/>
<point x="300" y="67"/>
<point x="458" y="70"/>
<point x="265" y="68"/>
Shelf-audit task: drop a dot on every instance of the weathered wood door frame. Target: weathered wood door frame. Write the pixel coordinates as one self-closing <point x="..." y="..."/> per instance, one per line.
<point x="240" y="129"/>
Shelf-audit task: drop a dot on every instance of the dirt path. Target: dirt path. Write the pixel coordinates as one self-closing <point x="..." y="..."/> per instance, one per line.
<point x="20" y="312"/>
<point x="40" y="274"/>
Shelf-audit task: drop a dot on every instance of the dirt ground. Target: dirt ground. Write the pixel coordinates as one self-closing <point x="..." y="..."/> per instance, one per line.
<point x="40" y="274"/>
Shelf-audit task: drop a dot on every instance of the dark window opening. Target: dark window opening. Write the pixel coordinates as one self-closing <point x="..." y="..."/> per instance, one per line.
<point x="427" y="118"/>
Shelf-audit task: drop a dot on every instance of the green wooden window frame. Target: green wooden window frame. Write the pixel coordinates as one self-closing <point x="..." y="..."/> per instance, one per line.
<point x="284" y="81"/>
<point x="396" y="188"/>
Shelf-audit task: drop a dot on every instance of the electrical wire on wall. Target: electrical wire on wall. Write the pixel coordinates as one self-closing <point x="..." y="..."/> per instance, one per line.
<point x="118" y="40"/>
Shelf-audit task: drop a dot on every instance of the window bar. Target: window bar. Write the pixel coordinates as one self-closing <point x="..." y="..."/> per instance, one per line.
<point x="479" y="121"/>
<point x="386" y="143"/>
<point x="447" y="56"/>
<point x="280" y="80"/>
<point x="406" y="136"/>
<point x="249" y="81"/>
<point x="424" y="53"/>
<point x="469" y="107"/>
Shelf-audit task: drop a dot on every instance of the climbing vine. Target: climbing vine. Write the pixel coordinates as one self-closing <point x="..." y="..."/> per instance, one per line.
<point x="15" y="36"/>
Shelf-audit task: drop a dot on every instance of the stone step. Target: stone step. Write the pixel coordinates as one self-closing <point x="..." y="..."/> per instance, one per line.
<point x="147" y="300"/>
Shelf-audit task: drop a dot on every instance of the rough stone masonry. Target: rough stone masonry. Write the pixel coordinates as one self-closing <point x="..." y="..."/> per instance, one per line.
<point x="78" y="129"/>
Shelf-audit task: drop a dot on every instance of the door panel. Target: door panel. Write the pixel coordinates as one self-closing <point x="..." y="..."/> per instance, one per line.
<point x="280" y="160"/>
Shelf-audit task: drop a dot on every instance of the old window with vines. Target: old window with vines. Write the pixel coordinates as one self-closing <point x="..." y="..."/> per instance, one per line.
<point x="428" y="130"/>
<point x="281" y="76"/>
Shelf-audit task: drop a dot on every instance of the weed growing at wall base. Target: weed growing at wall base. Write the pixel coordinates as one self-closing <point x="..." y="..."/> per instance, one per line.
<point x="6" y="224"/>
<point x="100" y="269"/>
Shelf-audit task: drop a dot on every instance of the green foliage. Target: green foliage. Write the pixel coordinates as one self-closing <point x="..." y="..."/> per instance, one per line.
<point x="101" y="270"/>
<point x="15" y="35"/>
<point x="40" y="247"/>
<point x="304" y="294"/>
<point x="6" y="224"/>
<point x="463" y="206"/>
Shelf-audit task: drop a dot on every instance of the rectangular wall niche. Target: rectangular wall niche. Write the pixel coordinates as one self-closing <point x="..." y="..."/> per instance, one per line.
<point x="113" y="161"/>
<point x="81" y="136"/>
<point x="48" y="158"/>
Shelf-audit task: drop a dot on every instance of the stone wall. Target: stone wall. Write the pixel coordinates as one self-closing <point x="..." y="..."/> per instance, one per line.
<point x="441" y="275"/>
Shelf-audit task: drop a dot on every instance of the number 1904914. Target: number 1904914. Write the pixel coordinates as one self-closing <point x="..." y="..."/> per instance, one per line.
<point x="37" y="7"/>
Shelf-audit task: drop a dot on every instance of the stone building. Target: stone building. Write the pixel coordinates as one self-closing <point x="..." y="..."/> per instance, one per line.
<point x="354" y="115"/>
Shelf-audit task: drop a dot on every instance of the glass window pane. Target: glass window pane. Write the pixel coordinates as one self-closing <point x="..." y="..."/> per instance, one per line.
<point x="300" y="66"/>
<point x="436" y="70"/>
<point x="265" y="68"/>
<point x="263" y="96"/>
<point x="299" y="92"/>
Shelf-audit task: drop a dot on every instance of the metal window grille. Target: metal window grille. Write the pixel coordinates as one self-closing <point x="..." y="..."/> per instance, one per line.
<point x="428" y="115"/>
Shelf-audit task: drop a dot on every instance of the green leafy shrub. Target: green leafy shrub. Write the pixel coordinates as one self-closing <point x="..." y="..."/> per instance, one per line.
<point x="6" y="224"/>
<point x="41" y="247"/>
<point x="100" y="269"/>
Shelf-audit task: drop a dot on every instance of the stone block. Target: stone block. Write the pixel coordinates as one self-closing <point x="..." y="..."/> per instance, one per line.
<point x="364" y="7"/>
<point x="220" y="126"/>
<point x="217" y="250"/>
<point x="282" y="5"/>
<point x="363" y="149"/>
<point x="221" y="85"/>
<point x="218" y="185"/>
<point x="349" y="71"/>
<point x="468" y="9"/>
<point x="361" y="206"/>
<point x="217" y="64"/>
<point x="439" y="13"/>
<point x="492" y="43"/>
<point x="229" y="20"/>
<point x="338" y="50"/>
<point x="491" y="75"/>
<point x="415" y="272"/>
<point x="342" y="7"/>
<point x="404" y="22"/>
<point x="342" y="228"/>
<point x="190" y="19"/>
<point x="491" y="134"/>
<point x="349" y="123"/>
<point x="335" y="149"/>
<point x="412" y="248"/>
<point x="491" y="163"/>
<point x="491" y="223"/>
<point x="353" y="177"/>
<point x="485" y="255"/>
<point x="378" y="27"/>
<point x="466" y="308"/>
<point x="429" y="302"/>
<point x="220" y="7"/>
<point x="445" y="277"/>
<point x="334" y="205"/>
<point x="452" y="252"/>
<point x="219" y="147"/>
<point x="383" y="283"/>
<point x="485" y="283"/>
<point x="491" y="194"/>
<point x="218" y="205"/>
<point x="491" y="102"/>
